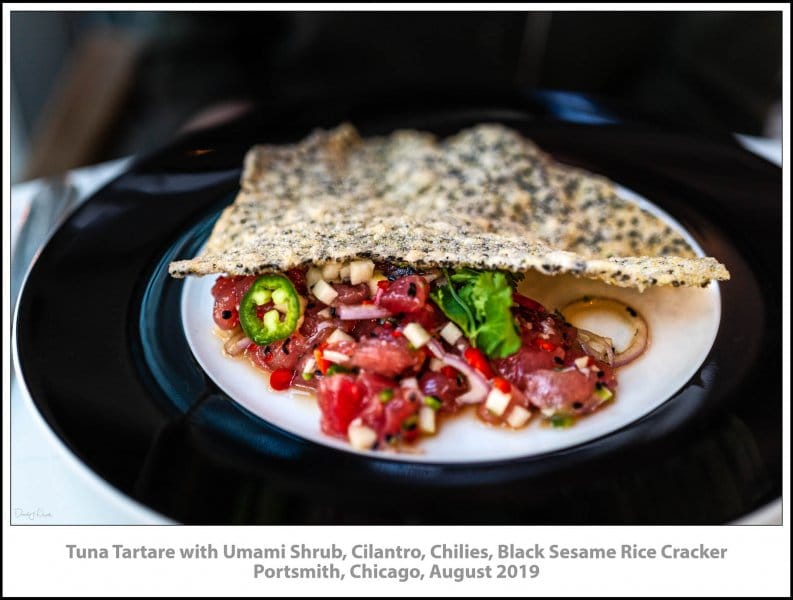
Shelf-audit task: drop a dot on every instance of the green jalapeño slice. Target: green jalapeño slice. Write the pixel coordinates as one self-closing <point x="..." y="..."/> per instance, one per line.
<point x="277" y="323"/>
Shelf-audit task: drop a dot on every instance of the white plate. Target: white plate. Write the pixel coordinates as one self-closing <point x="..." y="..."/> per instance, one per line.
<point x="683" y="323"/>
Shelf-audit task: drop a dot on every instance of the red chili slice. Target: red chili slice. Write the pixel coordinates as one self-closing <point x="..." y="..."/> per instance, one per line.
<point x="478" y="361"/>
<point x="322" y="364"/>
<point x="502" y="385"/>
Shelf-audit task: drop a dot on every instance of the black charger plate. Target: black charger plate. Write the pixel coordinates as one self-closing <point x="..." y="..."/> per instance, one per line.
<point x="104" y="356"/>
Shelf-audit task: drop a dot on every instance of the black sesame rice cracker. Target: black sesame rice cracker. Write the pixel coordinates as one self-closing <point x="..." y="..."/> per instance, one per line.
<point x="485" y="198"/>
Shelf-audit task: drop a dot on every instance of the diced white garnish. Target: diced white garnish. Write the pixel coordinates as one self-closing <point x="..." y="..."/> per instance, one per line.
<point x="518" y="417"/>
<point x="409" y="383"/>
<point x="324" y="292"/>
<point x="361" y="437"/>
<point x="339" y="336"/>
<point x="281" y="308"/>
<point x="312" y="276"/>
<point x="497" y="401"/>
<point x="374" y="280"/>
<point x="331" y="271"/>
<point x="324" y="313"/>
<point x="548" y="411"/>
<point x="427" y="419"/>
<point x="310" y="365"/>
<point x="361" y="271"/>
<point x="345" y="273"/>
<point x="582" y="362"/>
<point x="451" y="333"/>
<point x="416" y="334"/>
<point x="436" y="364"/>
<point x="335" y="357"/>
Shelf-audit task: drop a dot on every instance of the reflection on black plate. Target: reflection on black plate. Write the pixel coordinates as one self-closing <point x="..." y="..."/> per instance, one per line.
<point x="104" y="355"/>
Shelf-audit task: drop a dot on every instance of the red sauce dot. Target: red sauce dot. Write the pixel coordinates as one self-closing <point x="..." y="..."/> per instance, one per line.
<point x="280" y="379"/>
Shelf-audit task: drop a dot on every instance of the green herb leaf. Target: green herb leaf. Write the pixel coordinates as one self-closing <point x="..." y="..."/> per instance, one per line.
<point x="464" y="275"/>
<point x="454" y="308"/>
<point x="480" y="306"/>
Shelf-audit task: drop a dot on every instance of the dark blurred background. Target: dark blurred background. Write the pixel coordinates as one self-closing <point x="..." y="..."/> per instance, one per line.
<point x="91" y="86"/>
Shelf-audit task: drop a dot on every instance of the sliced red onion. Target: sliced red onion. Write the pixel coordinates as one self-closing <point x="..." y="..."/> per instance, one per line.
<point x="361" y="312"/>
<point x="479" y="386"/>
<point x="597" y="346"/>
<point x="462" y="344"/>
<point x="593" y="343"/>
<point x="638" y="343"/>
<point x="237" y="344"/>
<point x="437" y="350"/>
<point x="322" y="326"/>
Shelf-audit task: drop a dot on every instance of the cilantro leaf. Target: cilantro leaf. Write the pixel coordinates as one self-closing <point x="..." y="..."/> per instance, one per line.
<point x="496" y="336"/>
<point x="448" y="301"/>
<point x="480" y="306"/>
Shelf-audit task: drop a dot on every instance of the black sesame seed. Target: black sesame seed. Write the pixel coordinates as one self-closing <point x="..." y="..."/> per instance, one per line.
<point x="333" y="311"/>
<point x="631" y="312"/>
<point x="577" y="405"/>
<point x="558" y="360"/>
<point x="600" y="373"/>
<point x="285" y="346"/>
<point x="412" y="289"/>
<point x="226" y="314"/>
